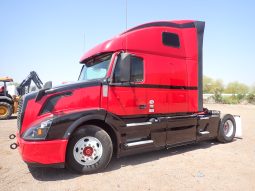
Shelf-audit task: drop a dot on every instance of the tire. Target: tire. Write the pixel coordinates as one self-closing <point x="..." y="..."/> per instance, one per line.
<point x="227" y="129"/>
<point x="89" y="150"/>
<point x="6" y="110"/>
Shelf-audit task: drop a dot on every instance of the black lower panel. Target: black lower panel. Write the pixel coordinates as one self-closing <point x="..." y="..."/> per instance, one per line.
<point x="208" y="123"/>
<point x="181" y="130"/>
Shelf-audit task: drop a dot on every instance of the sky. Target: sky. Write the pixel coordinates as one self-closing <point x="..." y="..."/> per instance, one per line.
<point x="50" y="36"/>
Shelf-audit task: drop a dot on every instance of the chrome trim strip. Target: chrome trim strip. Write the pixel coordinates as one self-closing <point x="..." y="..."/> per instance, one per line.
<point x="138" y="143"/>
<point x="204" y="132"/>
<point x="204" y="118"/>
<point x="138" y="124"/>
<point x="105" y="90"/>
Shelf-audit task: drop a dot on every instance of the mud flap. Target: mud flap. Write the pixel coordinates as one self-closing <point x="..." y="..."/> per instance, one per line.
<point x="238" y="126"/>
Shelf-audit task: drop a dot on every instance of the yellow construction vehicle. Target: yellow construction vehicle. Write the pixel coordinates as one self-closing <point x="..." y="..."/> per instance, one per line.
<point x="8" y="103"/>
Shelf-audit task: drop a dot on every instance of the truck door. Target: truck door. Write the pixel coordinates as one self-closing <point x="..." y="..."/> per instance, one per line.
<point x="128" y="98"/>
<point x="131" y="99"/>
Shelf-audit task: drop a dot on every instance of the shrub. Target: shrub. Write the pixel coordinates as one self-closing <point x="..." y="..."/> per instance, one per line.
<point x="236" y="88"/>
<point x="250" y="98"/>
<point x="230" y="100"/>
<point x="217" y="96"/>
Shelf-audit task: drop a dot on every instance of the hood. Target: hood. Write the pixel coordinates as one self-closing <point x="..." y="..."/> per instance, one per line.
<point x="74" y="85"/>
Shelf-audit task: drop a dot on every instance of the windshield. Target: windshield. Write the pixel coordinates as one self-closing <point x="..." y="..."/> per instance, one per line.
<point x="95" y="68"/>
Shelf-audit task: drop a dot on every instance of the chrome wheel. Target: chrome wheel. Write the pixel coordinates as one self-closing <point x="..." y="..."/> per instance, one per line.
<point x="228" y="128"/>
<point x="88" y="151"/>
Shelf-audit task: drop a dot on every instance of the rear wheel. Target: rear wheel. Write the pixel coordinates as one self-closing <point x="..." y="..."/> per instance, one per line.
<point x="227" y="129"/>
<point x="89" y="150"/>
<point x="6" y="110"/>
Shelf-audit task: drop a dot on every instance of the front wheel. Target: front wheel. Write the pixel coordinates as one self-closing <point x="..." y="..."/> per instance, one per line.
<point x="89" y="150"/>
<point x="227" y="129"/>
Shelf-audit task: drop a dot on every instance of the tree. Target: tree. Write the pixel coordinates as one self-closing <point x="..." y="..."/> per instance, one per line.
<point x="215" y="87"/>
<point x="207" y="84"/>
<point x="236" y="88"/>
<point x="252" y="89"/>
<point x="239" y="91"/>
<point x="211" y="86"/>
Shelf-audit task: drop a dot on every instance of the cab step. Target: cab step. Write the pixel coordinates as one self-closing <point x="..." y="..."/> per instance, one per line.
<point x="204" y="133"/>
<point x="138" y="143"/>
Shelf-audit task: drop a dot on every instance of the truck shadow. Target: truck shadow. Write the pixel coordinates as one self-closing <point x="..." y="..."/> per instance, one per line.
<point x="13" y="117"/>
<point x="156" y="155"/>
<point x="54" y="174"/>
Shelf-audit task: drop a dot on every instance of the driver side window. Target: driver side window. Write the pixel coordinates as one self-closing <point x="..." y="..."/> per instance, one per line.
<point x="136" y="70"/>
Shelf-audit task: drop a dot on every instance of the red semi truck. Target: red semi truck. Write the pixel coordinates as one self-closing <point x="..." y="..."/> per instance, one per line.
<point x="140" y="91"/>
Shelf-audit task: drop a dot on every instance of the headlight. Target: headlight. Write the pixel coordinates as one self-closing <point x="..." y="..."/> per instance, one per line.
<point x="38" y="132"/>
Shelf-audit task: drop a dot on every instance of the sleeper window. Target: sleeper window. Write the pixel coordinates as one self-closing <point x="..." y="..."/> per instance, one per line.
<point x="170" y="39"/>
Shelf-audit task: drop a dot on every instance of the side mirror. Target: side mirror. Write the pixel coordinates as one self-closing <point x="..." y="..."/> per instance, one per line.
<point x="125" y="67"/>
<point x="41" y="92"/>
<point x="47" y="85"/>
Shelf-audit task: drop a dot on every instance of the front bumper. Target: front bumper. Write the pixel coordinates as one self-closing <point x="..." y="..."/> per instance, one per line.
<point x="42" y="153"/>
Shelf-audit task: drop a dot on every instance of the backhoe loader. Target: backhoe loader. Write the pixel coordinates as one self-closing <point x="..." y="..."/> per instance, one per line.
<point x="9" y="103"/>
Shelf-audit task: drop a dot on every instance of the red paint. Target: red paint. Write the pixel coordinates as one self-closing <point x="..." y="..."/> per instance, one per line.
<point x="145" y="40"/>
<point x="81" y="99"/>
<point x="88" y="151"/>
<point x="163" y="65"/>
<point x="159" y="70"/>
<point x="43" y="152"/>
<point x="1" y="89"/>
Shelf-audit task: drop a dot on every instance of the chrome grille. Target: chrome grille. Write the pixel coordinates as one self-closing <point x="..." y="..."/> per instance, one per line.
<point x="20" y="113"/>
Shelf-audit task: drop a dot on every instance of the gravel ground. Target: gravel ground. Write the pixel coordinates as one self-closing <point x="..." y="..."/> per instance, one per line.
<point x="204" y="166"/>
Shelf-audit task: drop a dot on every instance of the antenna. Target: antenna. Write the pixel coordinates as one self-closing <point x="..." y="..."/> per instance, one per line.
<point x="84" y="46"/>
<point x="126" y="23"/>
<point x="126" y="14"/>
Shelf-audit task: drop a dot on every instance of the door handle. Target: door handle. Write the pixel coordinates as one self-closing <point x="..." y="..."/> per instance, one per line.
<point x="142" y="106"/>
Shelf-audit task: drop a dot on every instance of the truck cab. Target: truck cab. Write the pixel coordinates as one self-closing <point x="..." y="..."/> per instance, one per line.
<point x="137" y="92"/>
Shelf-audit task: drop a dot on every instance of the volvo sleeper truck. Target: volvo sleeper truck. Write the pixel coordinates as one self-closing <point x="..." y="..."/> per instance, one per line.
<point x="139" y="91"/>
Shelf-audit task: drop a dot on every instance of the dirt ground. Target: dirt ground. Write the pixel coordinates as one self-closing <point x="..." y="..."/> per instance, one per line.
<point x="204" y="166"/>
